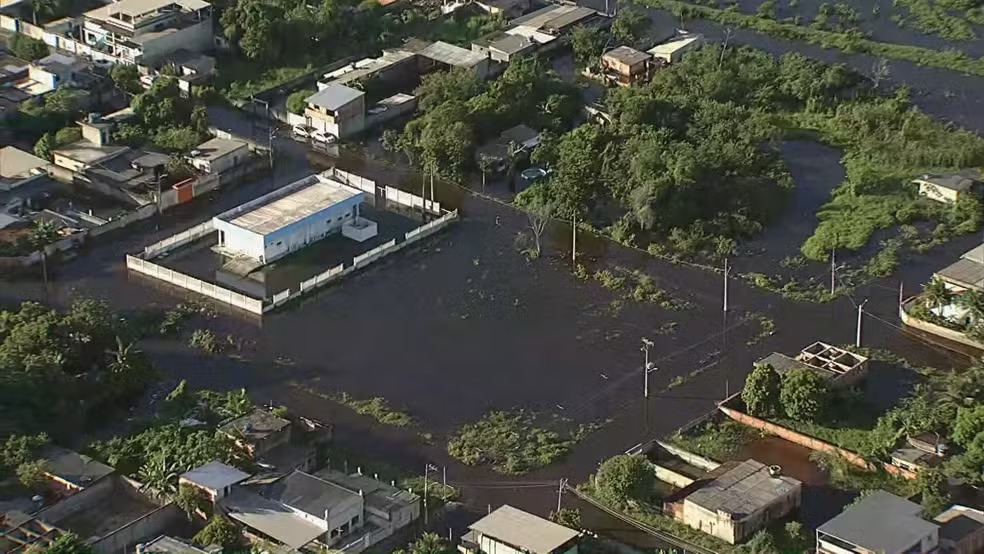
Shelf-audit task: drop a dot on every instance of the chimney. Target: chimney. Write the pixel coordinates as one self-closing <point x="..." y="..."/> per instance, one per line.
<point x="775" y="471"/>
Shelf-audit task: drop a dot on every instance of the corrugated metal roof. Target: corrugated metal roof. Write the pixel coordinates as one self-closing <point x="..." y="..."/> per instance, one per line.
<point x="964" y="272"/>
<point x="451" y="55"/>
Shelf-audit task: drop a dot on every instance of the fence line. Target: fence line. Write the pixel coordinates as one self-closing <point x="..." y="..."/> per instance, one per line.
<point x="180" y="239"/>
<point x="195" y="285"/>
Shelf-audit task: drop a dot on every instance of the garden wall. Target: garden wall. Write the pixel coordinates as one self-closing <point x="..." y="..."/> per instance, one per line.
<point x="210" y="290"/>
<point x="810" y="442"/>
<point x="932" y="328"/>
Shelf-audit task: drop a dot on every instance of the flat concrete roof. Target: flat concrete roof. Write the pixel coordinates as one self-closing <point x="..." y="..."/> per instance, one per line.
<point x="140" y="7"/>
<point x="17" y="164"/>
<point x="215" y="476"/>
<point x="85" y="152"/>
<point x="524" y="530"/>
<point x="217" y="147"/>
<point x="334" y="96"/>
<point x="627" y="55"/>
<point x="78" y="469"/>
<point x="279" y="211"/>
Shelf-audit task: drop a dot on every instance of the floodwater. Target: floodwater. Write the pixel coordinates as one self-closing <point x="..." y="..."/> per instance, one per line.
<point x="464" y="323"/>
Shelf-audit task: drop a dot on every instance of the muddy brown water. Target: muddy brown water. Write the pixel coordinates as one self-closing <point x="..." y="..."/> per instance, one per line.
<point x="464" y="323"/>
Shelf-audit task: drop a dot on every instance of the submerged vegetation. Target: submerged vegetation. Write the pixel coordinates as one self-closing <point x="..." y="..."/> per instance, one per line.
<point x="513" y="442"/>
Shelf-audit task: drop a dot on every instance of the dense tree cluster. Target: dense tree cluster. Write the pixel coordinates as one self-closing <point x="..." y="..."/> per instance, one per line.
<point x="460" y="112"/>
<point x="165" y="117"/>
<point x="799" y="394"/>
<point x="58" y="369"/>
<point x="691" y="156"/>
<point x="169" y="446"/>
<point x="690" y="159"/>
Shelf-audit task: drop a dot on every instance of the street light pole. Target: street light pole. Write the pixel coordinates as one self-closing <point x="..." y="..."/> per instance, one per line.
<point x="646" y="345"/>
<point x="857" y="341"/>
<point x="727" y="270"/>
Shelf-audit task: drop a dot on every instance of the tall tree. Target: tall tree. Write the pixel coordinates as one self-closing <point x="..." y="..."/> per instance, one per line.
<point x="761" y="391"/>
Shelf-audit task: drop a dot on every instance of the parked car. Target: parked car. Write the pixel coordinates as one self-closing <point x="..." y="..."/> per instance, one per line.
<point x="302" y="131"/>
<point x="533" y="174"/>
<point x="322" y="137"/>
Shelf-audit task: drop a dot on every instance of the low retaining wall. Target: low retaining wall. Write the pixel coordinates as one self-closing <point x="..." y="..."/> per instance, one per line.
<point x="932" y="328"/>
<point x="215" y="292"/>
<point x="810" y="442"/>
<point x="695" y="460"/>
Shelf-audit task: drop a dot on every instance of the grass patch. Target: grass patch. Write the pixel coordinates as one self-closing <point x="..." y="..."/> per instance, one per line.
<point x="513" y="442"/>
<point x="377" y="407"/>
<point x="717" y="440"/>
<point x="239" y="79"/>
<point x="766" y="328"/>
<point x="844" y="475"/>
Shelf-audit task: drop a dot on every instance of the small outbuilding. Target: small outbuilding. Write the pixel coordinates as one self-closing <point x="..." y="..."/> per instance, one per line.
<point x="945" y="188"/>
<point x="626" y="65"/>
<point x="511" y="530"/>
<point x="740" y="499"/>
<point x="218" y="155"/>
<point x="215" y="478"/>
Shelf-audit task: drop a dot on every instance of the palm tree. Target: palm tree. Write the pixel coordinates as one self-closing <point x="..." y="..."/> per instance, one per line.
<point x="973" y="302"/>
<point x="936" y="294"/>
<point x="160" y="475"/>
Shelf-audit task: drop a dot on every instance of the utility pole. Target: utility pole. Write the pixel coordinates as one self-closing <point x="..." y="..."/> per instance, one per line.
<point x="833" y="272"/>
<point x="857" y="341"/>
<point x="574" y="239"/>
<point x="646" y="345"/>
<point x="432" y="187"/>
<point x="727" y="270"/>
<point x="560" y="492"/>
<point x="444" y="478"/>
<point x="427" y="469"/>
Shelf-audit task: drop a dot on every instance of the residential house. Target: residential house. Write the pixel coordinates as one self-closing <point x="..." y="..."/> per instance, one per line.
<point x="72" y="471"/>
<point x="18" y="168"/>
<point x="216" y="479"/>
<point x="149" y="31"/>
<point x="672" y="51"/>
<point x="277" y="444"/>
<point x="965" y="274"/>
<point x="337" y="110"/>
<point x="945" y="188"/>
<point x="193" y="69"/>
<point x="626" y="65"/>
<point x="132" y="175"/>
<point x="21" y="533"/>
<point x="961" y="530"/>
<point x="217" y="155"/>
<point x="505" y="48"/>
<point x="509" y="530"/>
<point x="880" y="523"/>
<point x="510" y="143"/>
<point x="739" y="499"/>
<point x="840" y="367"/>
<point x="52" y="71"/>
<point x="325" y="510"/>
<point x="553" y="22"/>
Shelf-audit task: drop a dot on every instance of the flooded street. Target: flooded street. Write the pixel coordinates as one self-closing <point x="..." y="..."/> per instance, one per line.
<point x="464" y="323"/>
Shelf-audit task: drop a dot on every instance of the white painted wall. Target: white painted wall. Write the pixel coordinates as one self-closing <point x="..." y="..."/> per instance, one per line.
<point x="311" y="229"/>
<point x="238" y="240"/>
